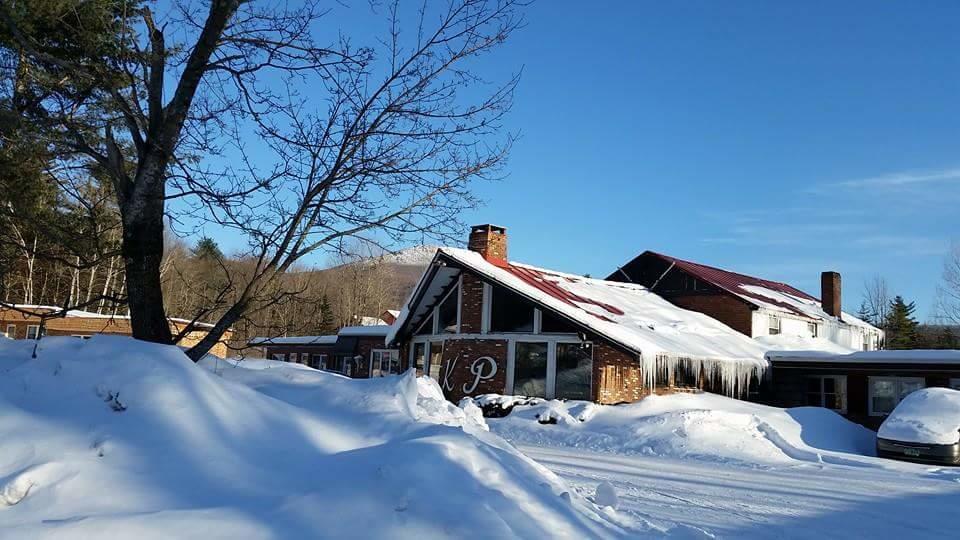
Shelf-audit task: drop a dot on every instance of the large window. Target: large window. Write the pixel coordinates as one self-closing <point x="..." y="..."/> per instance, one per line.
<point x="419" y="357"/>
<point x="551" y="324"/>
<point x="530" y="369"/>
<point x="280" y="357"/>
<point x="447" y="313"/>
<point x="509" y="312"/>
<point x="574" y="371"/>
<point x="886" y="392"/>
<point x="33" y="331"/>
<point x="827" y="391"/>
<point x="384" y="362"/>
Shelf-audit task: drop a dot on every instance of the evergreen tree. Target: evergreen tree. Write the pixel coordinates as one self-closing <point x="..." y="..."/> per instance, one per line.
<point x="327" y="325"/>
<point x="208" y="249"/>
<point x="900" y="326"/>
<point x="865" y="313"/>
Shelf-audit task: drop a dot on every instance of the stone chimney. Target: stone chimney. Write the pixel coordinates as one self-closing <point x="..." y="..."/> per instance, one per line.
<point x="489" y="241"/>
<point x="830" y="293"/>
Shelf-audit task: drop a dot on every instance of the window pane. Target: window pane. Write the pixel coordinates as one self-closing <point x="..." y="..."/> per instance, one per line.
<point x="530" y="370"/>
<point x="831" y="401"/>
<point x="436" y="356"/>
<point x="426" y="327"/>
<point x="551" y="324"/>
<point x="884" y="395"/>
<point x="829" y="385"/>
<point x="448" y="314"/>
<point x="419" y="357"/>
<point x="815" y="399"/>
<point x="574" y="370"/>
<point x="813" y="384"/>
<point x="907" y="386"/>
<point x="509" y="312"/>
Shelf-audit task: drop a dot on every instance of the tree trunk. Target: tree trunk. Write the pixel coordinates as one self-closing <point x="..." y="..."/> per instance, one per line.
<point x="142" y="249"/>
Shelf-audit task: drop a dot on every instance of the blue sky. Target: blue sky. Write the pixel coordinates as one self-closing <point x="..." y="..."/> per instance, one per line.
<point x="772" y="138"/>
<point x="779" y="139"/>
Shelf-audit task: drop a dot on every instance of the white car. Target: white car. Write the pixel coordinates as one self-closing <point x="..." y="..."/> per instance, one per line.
<point x="924" y="427"/>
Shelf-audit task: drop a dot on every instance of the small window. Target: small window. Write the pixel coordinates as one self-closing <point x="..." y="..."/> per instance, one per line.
<point x="886" y="392"/>
<point x="33" y="331"/>
<point x="774" y="325"/>
<point x="551" y="324"/>
<point x="384" y="362"/>
<point x="510" y="312"/>
<point x="419" y="357"/>
<point x="813" y="329"/>
<point x="318" y="361"/>
<point x="447" y="313"/>
<point x="11" y="331"/>
<point x="828" y="391"/>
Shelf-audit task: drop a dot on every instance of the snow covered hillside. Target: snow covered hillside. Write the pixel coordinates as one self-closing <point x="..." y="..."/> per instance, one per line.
<point x="112" y="438"/>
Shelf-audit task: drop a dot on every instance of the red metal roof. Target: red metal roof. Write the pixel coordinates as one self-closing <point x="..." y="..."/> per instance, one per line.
<point x="547" y="283"/>
<point x="733" y="282"/>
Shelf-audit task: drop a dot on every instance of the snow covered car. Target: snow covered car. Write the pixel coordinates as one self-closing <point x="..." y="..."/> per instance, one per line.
<point x="924" y="427"/>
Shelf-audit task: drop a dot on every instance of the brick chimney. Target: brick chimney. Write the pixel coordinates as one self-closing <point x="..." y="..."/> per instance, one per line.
<point x="830" y="293"/>
<point x="489" y="241"/>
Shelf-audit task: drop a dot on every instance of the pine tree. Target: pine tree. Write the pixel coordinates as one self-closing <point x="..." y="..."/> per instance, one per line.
<point x="866" y="314"/>
<point x="900" y="326"/>
<point x="327" y="325"/>
<point x="207" y="248"/>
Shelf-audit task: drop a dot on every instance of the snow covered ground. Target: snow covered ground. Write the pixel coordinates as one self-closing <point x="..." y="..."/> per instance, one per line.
<point x="112" y="438"/>
<point x="702" y="466"/>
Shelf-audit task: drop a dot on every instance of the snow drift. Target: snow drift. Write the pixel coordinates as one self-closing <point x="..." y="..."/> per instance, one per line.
<point x="929" y="415"/>
<point x="701" y="426"/>
<point x="109" y="437"/>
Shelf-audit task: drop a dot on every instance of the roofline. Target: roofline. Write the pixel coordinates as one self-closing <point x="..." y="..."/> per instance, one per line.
<point x="539" y="304"/>
<point x="739" y="297"/>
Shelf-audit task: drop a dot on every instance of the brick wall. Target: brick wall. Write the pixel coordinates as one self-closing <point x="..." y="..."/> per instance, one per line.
<point x="723" y="307"/>
<point x="461" y="354"/>
<point x="471" y="310"/>
<point x="616" y="375"/>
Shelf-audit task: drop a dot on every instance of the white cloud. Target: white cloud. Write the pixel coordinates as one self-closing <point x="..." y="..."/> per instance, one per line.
<point x="901" y="179"/>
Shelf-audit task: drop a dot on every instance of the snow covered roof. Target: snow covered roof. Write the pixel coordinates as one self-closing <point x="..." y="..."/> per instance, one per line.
<point x="77" y="313"/>
<point x="627" y="314"/>
<point x="772" y="295"/>
<point x="372" y="330"/>
<point x="914" y="356"/>
<point x="294" y="340"/>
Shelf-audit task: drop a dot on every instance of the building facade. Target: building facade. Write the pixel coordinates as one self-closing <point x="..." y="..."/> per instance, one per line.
<point x="753" y="306"/>
<point x="30" y="321"/>
<point x="355" y="351"/>
<point x="481" y="324"/>
<point x="864" y="386"/>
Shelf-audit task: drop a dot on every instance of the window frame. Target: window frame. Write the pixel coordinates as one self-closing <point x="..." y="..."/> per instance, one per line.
<point x="552" y="340"/>
<point x="36" y="329"/>
<point x="9" y="334"/>
<point x="771" y="330"/>
<point x="898" y="380"/>
<point x="394" y="354"/>
<point x="840" y="383"/>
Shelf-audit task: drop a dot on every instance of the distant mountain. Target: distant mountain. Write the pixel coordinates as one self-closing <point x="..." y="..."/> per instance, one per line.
<point x="414" y="256"/>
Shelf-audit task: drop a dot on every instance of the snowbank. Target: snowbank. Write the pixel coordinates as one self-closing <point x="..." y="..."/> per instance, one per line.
<point x="930" y="415"/>
<point x="109" y="437"/>
<point x="702" y="426"/>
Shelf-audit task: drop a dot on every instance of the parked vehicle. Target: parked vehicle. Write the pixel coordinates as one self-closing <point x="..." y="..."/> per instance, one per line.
<point x="924" y="427"/>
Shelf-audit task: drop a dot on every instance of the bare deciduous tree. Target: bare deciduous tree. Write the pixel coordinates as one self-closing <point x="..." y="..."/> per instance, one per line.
<point x="876" y="294"/>
<point x="948" y="293"/>
<point x="235" y="112"/>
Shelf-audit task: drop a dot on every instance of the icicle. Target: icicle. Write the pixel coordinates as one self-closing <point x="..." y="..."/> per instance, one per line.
<point x="731" y="377"/>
